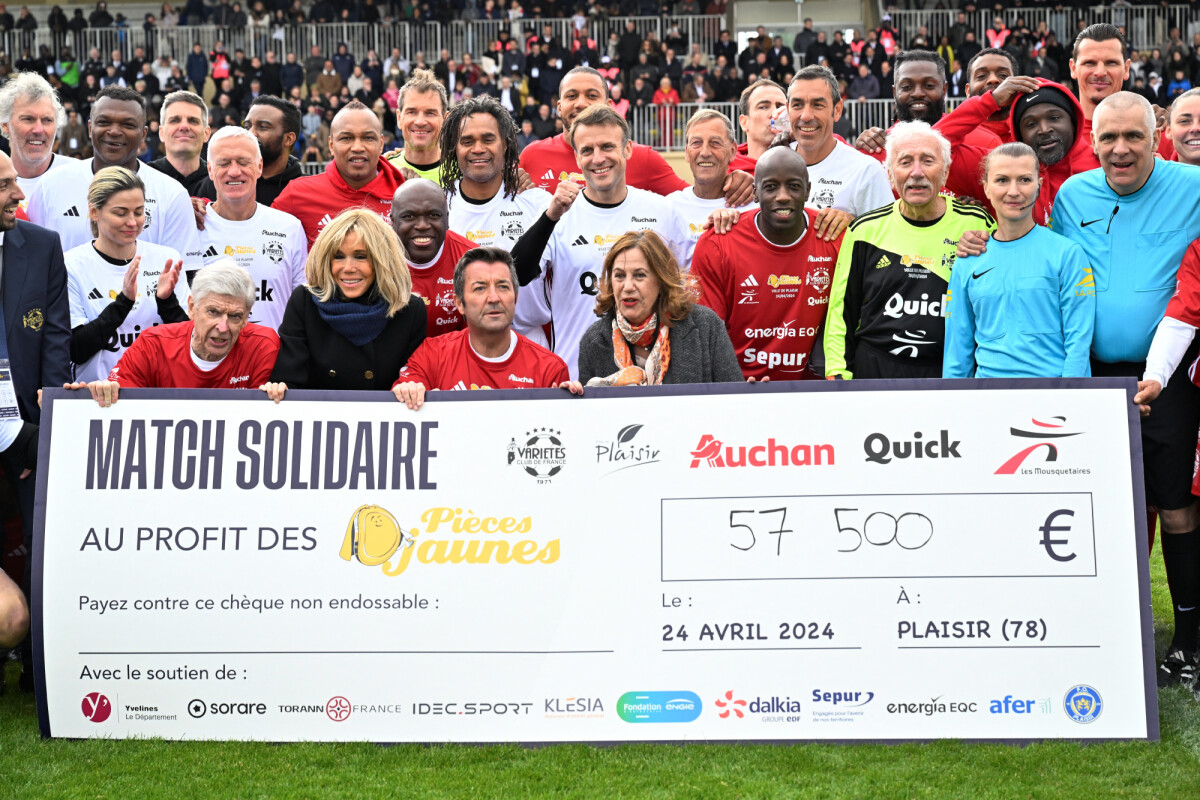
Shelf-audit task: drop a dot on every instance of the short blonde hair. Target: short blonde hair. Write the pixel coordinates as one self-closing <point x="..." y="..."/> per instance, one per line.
<point x="108" y="182"/>
<point x="393" y="281"/>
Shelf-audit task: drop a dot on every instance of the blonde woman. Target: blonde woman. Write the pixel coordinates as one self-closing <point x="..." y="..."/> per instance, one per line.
<point x="356" y="322"/>
<point x="118" y="286"/>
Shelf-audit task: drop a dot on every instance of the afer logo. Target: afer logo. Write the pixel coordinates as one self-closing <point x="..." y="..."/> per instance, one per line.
<point x="881" y="450"/>
<point x="1010" y="705"/>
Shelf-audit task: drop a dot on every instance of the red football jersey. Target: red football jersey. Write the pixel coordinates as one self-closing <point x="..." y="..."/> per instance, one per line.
<point x="316" y="199"/>
<point x="773" y="299"/>
<point x="435" y="285"/>
<point x="160" y="358"/>
<point x="449" y="362"/>
<point x="552" y="160"/>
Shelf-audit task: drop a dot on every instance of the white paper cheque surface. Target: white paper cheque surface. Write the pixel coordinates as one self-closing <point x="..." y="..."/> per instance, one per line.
<point x="778" y="562"/>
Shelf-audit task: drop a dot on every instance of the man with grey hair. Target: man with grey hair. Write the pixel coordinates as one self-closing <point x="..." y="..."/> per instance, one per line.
<point x="488" y="353"/>
<point x="183" y="129"/>
<point x="218" y="348"/>
<point x="268" y="242"/>
<point x="30" y="117"/>
<point x="887" y="302"/>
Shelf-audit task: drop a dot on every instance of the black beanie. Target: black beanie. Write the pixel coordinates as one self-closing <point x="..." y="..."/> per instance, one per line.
<point x="1044" y="94"/>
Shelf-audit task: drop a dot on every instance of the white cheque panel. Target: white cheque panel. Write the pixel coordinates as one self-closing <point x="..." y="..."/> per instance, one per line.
<point x="744" y="563"/>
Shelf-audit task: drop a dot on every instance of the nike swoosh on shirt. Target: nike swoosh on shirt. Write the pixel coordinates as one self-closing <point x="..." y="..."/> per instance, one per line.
<point x="978" y="275"/>
<point x="1090" y="222"/>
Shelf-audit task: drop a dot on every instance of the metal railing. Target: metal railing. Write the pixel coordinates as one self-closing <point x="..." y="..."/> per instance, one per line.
<point x="411" y="38"/>
<point x="1146" y="27"/>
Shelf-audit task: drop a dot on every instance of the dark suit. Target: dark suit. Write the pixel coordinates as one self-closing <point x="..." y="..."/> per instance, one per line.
<point x="312" y="355"/>
<point x="37" y="330"/>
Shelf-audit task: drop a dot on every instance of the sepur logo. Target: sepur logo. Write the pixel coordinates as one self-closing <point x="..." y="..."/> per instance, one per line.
<point x="543" y="454"/>
<point x="96" y="707"/>
<point x="1083" y="704"/>
<point x="374" y="538"/>
<point x="659" y="707"/>
<point x="1054" y="429"/>
<point x="715" y="453"/>
<point x="768" y="709"/>
<point x="839" y="706"/>
<point x="622" y="452"/>
<point x="1087" y="286"/>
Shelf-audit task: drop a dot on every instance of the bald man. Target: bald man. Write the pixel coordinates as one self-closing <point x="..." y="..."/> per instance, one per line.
<point x="356" y="178"/>
<point x="771" y="273"/>
<point x="420" y="218"/>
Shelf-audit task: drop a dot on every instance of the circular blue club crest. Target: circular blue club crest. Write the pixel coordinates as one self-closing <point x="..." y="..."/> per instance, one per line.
<point x="1083" y="704"/>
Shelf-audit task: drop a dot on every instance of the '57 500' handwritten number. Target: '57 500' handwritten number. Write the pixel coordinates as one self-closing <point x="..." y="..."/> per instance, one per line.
<point x="779" y="532"/>
<point x="911" y="530"/>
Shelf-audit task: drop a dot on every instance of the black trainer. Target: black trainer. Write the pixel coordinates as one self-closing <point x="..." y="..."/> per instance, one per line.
<point x="1179" y="667"/>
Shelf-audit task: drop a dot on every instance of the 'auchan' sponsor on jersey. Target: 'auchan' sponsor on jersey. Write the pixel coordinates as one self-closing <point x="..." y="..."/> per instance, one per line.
<point x="713" y="452"/>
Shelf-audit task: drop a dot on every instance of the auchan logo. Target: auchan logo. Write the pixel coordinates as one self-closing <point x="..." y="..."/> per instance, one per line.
<point x="713" y="452"/>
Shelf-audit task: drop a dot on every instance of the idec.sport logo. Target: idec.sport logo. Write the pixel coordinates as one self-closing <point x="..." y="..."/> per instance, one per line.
<point x="1054" y="428"/>
<point x="712" y="452"/>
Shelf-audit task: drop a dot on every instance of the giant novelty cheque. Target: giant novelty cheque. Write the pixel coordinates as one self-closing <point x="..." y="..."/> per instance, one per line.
<point x="791" y="561"/>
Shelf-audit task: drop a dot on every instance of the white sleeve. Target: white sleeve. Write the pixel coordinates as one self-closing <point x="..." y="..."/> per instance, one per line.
<point x="297" y="254"/>
<point x="36" y="208"/>
<point x="533" y="309"/>
<point x="1170" y="342"/>
<point x="179" y="228"/>
<point x="77" y="299"/>
<point x="9" y="428"/>
<point x="874" y="189"/>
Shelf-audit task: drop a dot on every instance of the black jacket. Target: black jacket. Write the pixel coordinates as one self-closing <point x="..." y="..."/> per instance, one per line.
<point x="312" y="355"/>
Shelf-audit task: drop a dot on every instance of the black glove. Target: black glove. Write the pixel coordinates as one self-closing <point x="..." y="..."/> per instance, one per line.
<point x="22" y="454"/>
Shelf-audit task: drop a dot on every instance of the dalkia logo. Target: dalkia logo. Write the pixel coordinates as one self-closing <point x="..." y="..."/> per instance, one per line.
<point x="623" y="452"/>
<point x="96" y="707"/>
<point x="542" y="455"/>
<point x="375" y="538"/>
<point x="659" y="706"/>
<point x="730" y="706"/>
<point x="1047" y="431"/>
<point x="715" y="453"/>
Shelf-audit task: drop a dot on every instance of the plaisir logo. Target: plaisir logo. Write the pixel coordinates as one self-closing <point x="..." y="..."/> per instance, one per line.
<point x="713" y="452"/>
<point x="881" y="449"/>
<point x="659" y="706"/>
<point x="625" y="450"/>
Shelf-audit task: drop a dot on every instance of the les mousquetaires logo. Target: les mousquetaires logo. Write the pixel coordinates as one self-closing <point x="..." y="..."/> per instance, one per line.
<point x="375" y="538"/>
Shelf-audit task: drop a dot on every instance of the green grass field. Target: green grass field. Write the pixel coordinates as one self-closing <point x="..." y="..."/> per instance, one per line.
<point x="32" y="768"/>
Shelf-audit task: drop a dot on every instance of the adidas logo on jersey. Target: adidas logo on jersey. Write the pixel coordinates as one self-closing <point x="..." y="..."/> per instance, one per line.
<point x="750" y="281"/>
<point x="549" y="176"/>
<point x="94" y="294"/>
<point x="71" y="212"/>
<point x="211" y="252"/>
<point x="581" y="240"/>
<point x="459" y="387"/>
<point x="883" y="261"/>
<point x="325" y="220"/>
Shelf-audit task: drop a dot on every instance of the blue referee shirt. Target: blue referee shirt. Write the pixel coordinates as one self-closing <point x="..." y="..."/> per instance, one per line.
<point x="1023" y="309"/>
<point x="1135" y="244"/>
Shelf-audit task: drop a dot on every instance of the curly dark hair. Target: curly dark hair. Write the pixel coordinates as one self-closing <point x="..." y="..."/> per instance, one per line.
<point x="452" y="127"/>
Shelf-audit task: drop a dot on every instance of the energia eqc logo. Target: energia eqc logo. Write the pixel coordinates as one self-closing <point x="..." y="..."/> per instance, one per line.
<point x="541" y="453"/>
<point x="1046" y="432"/>
<point x="712" y="452"/>
<point x="1083" y="704"/>
<point x="659" y="706"/>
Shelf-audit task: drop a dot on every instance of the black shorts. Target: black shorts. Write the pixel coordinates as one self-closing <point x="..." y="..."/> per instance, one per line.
<point x="1168" y="434"/>
<point x="870" y="363"/>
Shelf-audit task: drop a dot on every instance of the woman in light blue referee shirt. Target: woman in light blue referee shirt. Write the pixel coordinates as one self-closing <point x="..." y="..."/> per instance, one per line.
<point x="1026" y="308"/>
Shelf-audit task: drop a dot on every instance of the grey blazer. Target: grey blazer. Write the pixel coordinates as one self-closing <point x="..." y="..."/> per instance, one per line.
<point x="700" y="350"/>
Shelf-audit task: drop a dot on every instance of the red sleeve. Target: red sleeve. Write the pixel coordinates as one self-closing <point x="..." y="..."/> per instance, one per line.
<point x="1185" y="303"/>
<point x="708" y="270"/>
<point x="655" y="174"/>
<point x="266" y="350"/>
<point x="135" y="368"/>
<point x="284" y="201"/>
<point x="555" y="371"/>
<point x="421" y="364"/>
<point x="967" y="117"/>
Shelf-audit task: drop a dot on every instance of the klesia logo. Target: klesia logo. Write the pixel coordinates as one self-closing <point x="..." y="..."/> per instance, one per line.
<point x="542" y="453"/>
<point x="730" y="706"/>
<point x="1083" y="704"/>
<point x="713" y="452"/>
<point x="96" y="707"/>
<point x="623" y="452"/>
<point x="1055" y="428"/>
<point x="659" y="706"/>
<point x="574" y="707"/>
<point x="338" y="708"/>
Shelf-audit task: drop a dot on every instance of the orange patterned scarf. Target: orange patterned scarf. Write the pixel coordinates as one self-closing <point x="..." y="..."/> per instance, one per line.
<point x="628" y="373"/>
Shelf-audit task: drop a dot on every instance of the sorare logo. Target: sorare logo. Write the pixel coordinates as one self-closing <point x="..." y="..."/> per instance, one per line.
<point x="659" y="706"/>
<point x="1047" y="432"/>
<point x="96" y="707"/>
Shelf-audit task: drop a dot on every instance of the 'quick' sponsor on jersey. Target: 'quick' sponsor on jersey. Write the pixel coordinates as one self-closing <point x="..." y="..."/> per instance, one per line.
<point x="897" y="307"/>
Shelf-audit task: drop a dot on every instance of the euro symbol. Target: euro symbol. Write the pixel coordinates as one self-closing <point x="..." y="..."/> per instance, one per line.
<point x="1049" y="527"/>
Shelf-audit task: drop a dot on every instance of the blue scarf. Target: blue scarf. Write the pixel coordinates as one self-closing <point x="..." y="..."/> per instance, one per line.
<point x="358" y="322"/>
